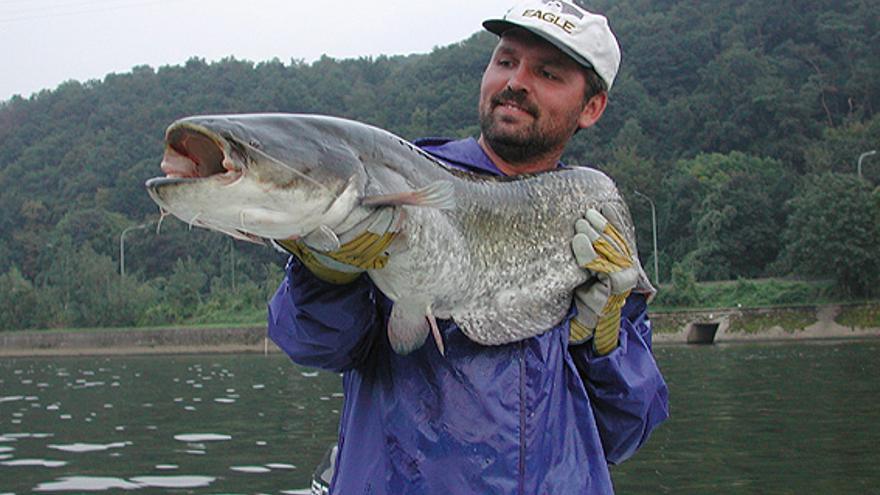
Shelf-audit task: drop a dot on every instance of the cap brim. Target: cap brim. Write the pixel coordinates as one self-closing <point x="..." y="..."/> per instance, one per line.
<point x="500" y="26"/>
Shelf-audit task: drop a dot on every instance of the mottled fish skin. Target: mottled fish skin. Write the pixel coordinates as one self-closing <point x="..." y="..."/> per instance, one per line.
<point x="499" y="263"/>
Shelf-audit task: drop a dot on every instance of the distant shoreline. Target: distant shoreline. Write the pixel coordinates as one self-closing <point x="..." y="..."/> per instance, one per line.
<point x="822" y="322"/>
<point x="98" y="342"/>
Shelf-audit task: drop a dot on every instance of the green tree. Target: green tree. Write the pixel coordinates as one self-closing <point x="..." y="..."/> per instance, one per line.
<point x="31" y="235"/>
<point x="839" y="149"/>
<point x="833" y="232"/>
<point x="82" y="288"/>
<point x="19" y="305"/>
<point x="737" y="222"/>
<point x="183" y="289"/>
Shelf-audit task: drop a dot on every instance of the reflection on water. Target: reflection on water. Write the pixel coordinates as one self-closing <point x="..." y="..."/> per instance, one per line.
<point x="788" y="418"/>
<point x="751" y="418"/>
<point x="95" y="483"/>
<point x="200" y="424"/>
<point x="88" y="447"/>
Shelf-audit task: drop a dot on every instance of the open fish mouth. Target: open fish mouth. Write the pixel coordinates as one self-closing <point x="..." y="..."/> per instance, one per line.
<point x="192" y="152"/>
<point x="193" y="155"/>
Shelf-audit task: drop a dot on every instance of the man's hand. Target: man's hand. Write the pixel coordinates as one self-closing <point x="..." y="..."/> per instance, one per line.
<point x="340" y="259"/>
<point x="601" y="249"/>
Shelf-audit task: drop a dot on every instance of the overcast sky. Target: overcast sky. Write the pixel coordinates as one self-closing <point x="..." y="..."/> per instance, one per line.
<point x="46" y="42"/>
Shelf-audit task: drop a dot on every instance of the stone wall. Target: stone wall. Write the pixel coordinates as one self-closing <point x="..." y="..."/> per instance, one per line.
<point x="135" y="341"/>
<point x="800" y="322"/>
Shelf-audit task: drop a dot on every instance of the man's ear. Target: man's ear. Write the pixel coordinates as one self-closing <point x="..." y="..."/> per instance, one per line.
<point x="593" y="110"/>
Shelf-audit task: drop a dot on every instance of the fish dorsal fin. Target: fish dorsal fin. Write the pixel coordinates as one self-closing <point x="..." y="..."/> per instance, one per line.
<point x="439" y="194"/>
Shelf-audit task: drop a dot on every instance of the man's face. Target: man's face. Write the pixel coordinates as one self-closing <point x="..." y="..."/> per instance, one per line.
<point x="531" y="98"/>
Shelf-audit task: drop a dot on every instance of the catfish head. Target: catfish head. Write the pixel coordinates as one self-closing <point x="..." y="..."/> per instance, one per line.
<point x="260" y="176"/>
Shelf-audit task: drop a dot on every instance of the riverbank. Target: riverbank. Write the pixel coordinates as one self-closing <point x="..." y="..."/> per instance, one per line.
<point x="829" y="321"/>
<point x="190" y="340"/>
<point x="833" y="321"/>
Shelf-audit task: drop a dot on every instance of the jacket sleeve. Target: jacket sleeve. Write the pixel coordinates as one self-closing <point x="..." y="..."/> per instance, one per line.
<point x="628" y="394"/>
<point x="323" y="325"/>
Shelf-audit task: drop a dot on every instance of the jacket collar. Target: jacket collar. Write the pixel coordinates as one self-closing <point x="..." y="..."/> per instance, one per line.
<point x="464" y="154"/>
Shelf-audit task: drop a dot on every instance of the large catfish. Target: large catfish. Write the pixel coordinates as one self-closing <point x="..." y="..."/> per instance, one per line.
<point x="492" y="253"/>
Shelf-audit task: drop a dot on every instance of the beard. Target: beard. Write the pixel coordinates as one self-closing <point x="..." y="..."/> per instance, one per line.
<point x="527" y="144"/>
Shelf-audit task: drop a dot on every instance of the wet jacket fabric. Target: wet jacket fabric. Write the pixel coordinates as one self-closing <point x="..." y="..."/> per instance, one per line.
<point x="532" y="417"/>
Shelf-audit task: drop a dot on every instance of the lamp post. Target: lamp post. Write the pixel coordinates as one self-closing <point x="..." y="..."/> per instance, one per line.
<point x="862" y="157"/>
<point x="122" y="247"/>
<point x="654" y="230"/>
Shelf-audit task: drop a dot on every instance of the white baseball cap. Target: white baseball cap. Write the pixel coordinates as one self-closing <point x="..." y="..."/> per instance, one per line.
<point x="581" y="35"/>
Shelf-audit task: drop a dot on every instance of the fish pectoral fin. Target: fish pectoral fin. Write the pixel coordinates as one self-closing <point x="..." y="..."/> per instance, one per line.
<point x="439" y="194"/>
<point x="409" y="326"/>
<point x="323" y="239"/>
<point x="435" y="331"/>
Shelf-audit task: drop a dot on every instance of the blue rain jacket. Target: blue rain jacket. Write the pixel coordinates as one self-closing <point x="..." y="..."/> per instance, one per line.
<point x="532" y="417"/>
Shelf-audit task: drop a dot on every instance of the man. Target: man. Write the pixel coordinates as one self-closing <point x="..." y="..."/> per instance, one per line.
<point x="541" y="416"/>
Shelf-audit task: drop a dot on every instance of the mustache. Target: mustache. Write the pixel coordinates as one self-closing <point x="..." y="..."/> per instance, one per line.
<point x="517" y="98"/>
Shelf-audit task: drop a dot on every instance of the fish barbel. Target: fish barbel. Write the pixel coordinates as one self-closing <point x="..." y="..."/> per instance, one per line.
<point x="491" y="253"/>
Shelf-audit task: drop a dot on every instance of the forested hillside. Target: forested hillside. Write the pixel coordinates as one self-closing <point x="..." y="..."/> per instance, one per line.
<point x="742" y="120"/>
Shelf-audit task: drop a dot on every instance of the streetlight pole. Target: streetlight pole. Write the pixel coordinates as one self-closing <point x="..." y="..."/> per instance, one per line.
<point x="654" y="230"/>
<point x="862" y="157"/>
<point x="122" y="247"/>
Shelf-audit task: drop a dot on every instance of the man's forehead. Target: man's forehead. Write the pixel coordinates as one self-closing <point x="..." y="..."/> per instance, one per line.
<point x="516" y="40"/>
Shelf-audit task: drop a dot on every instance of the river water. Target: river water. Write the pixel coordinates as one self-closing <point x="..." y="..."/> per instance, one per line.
<point x="746" y="418"/>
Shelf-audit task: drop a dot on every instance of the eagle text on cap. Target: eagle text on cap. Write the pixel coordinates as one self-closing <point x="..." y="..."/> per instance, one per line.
<point x="554" y="17"/>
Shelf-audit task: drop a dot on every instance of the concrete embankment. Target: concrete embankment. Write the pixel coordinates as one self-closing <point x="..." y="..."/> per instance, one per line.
<point x="704" y="326"/>
<point x="135" y="341"/>
<point x="739" y="324"/>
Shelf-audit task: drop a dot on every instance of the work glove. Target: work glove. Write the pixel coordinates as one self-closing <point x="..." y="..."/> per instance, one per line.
<point x="600" y="248"/>
<point x="339" y="258"/>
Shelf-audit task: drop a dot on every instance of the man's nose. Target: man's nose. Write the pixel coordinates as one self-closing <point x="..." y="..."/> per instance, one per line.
<point x="520" y="80"/>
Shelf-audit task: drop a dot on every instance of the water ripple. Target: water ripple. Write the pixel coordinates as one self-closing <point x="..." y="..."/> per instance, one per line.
<point x="201" y="437"/>
<point x="250" y="469"/>
<point x="34" y="462"/>
<point x="173" y="481"/>
<point x="87" y="447"/>
<point x="85" y="483"/>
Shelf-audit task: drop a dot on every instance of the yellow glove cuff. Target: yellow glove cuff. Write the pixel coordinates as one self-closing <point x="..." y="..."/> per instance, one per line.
<point x="366" y="251"/>
<point x="307" y="257"/>
<point x="578" y="333"/>
<point x="607" y="331"/>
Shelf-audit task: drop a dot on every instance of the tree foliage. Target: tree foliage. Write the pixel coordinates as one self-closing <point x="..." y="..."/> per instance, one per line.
<point x="833" y="232"/>
<point x="717" y="115"/>
<point x="737" y="223"/>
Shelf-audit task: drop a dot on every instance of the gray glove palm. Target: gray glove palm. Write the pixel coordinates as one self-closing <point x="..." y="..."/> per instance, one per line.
<point x="600" y="248"/>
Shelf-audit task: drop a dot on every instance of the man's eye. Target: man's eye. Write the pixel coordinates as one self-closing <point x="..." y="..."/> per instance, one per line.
<point x="549" y="75"/>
